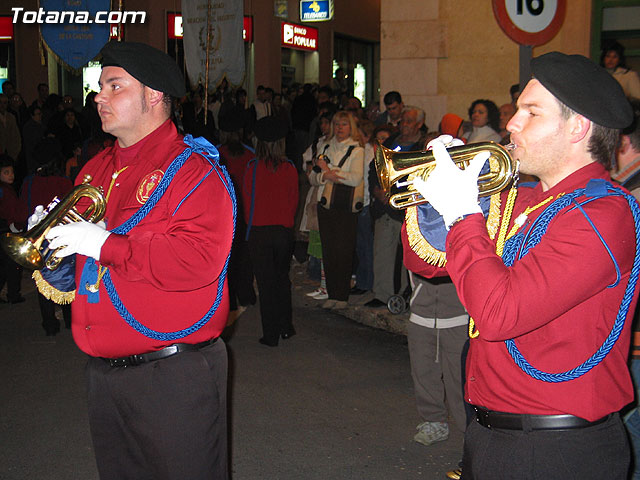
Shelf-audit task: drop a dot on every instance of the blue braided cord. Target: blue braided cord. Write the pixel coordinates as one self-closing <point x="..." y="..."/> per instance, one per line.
<point x="533" y="238"/>
<point x="613" y="259"/>
<point x="171" y="171"/>
<point x="194" y="188"/>
<point x="157" y="194"/>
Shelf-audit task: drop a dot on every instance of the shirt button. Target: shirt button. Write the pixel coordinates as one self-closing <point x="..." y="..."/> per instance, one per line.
<point x="88" y="327"/>
<point x="472" y="379"/>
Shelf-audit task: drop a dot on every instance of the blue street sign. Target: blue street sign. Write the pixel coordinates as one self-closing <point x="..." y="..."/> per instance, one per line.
<point x="316" y="10"/>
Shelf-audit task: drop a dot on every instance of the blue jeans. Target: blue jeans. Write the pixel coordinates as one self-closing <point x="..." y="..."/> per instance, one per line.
<point x="632" y="422"/>
<point x="364" y="251"/>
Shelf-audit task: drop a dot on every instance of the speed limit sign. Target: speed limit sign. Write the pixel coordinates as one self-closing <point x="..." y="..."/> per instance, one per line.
<point x="530" y="22"/>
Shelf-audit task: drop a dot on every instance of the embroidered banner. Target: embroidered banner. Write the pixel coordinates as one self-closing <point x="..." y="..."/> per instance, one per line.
<point x="70" y="33"/>
<point x="226" y="46"/>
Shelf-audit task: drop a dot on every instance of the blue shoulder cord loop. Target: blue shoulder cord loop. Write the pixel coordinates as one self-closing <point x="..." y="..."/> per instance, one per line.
<point x="533" y="237"/>
<point x="202" y="147"/>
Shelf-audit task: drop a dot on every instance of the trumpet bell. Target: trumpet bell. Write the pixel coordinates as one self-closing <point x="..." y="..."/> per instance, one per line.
<point x="392" y="166"/>
<point x="23" y="251"/>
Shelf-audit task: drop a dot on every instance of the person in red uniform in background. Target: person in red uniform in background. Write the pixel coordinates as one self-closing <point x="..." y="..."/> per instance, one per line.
<point x="270" y="200"/>
<point x="235" y="155"/>
<point x="546" y="405"/>
<point x="13" y="216"/>
<point x="152" y="299"/>
<point x="40" y="188"/>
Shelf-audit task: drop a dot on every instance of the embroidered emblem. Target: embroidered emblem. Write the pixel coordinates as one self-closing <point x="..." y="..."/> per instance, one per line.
<point x="147" y="185"/>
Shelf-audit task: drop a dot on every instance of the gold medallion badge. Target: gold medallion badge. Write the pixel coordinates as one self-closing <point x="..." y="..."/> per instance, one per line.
<point x="147" y="185"/>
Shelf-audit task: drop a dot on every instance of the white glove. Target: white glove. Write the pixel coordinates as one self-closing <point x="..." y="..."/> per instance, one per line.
<point x="451" y="191"/>
<point x="447" y="140"/>
<point x="36" y="218"/>
<point x="82" y="237"/>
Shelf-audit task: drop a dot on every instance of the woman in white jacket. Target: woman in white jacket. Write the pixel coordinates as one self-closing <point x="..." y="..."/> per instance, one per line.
<point x="340" y="165"/>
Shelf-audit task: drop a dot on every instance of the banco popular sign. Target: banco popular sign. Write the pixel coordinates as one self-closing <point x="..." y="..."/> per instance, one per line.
<point x="298" y="37"/>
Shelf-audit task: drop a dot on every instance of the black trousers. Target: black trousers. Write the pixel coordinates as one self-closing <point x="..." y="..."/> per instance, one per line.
<point x="11" y="274"/>
<point x="164" y="420"/>
<point x="241" y="290"/>
<point x="338" y="232"/>
<point x="48" y="312"/>
<point x="593" y="453"/>
<point x="271" y="248"/>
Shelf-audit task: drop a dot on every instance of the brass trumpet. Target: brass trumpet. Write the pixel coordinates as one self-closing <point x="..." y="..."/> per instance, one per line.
<point x="26" y="248"/>
<point x="392" y="166"/>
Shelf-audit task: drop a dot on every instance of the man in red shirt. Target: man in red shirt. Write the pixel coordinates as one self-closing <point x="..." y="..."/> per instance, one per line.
<point x="152" y="298"/>
<point x="546" y="403"/>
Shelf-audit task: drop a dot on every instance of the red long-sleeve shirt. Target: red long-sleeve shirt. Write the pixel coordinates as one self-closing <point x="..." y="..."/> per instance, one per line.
<point x="276" y="194"/>
<point x="556" y="303"/>
<point x="12" y="209"/>
<point x="166" y="269"/>
<point x="38" y="190"/>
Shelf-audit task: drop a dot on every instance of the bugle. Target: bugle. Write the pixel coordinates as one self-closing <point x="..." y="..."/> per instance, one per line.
<point x="27" y="248"/>
<point x="393" y="166"/>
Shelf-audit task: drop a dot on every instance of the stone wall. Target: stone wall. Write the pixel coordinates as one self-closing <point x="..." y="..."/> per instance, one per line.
<point x="442" y="55"/>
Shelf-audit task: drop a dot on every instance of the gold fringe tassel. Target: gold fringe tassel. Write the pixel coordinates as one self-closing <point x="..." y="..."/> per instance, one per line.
<point x="52" y="293"/>
<point x="428" y="252"/>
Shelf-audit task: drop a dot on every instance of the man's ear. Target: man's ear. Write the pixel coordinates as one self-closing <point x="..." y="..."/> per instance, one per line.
<point x="154" y="97"/>
<point x="624" y="145"/>
<point x="579" y="127"/>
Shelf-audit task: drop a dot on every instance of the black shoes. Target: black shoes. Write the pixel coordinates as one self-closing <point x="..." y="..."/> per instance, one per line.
<point x="375" y="303"/>
<point x="52" y="331"/>
<point x="288" y="335"/>
<point x="357" y="291"/>
<point x="268" y="343"/>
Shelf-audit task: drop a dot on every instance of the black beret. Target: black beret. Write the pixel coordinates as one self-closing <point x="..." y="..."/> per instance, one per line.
<point x="232" y="120"/>
<point x="585" y="87"/>
<point x="270" y="129"/>
<point x="148" y="65"/>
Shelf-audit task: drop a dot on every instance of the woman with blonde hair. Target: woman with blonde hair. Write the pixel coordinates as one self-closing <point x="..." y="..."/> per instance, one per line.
<point x="339" y="172"/>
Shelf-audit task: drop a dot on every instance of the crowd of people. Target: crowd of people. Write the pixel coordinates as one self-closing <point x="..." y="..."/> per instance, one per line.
<point x="301" y="165"/>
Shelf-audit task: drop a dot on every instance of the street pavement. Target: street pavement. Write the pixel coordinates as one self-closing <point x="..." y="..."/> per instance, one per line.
<point x="333" y="402"/>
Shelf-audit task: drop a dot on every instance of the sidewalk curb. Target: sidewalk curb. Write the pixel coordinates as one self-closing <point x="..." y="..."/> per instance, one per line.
<point x="380" y="318"/>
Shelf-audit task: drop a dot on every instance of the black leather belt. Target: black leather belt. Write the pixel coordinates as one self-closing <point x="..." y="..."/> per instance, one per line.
<point x="169" y="351"/>
<point x="514" y="421"/>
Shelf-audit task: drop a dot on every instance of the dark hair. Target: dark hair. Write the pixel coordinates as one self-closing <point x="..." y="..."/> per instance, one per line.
<point x="326" y="89"/>
<point x="239" y="92"/>
<point x="7" y="83"/>
<point x="357" y="99"/>
<point x="392" y="97"/>
<point x="633" y="131"/>
<point x="492" y="110"/>
<point x="6" y="161"/>
<point x="32" y="109"/>
<point x="614" y="47"/>
<point x="603" y="141"/>
<point x="514" y="89"/>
